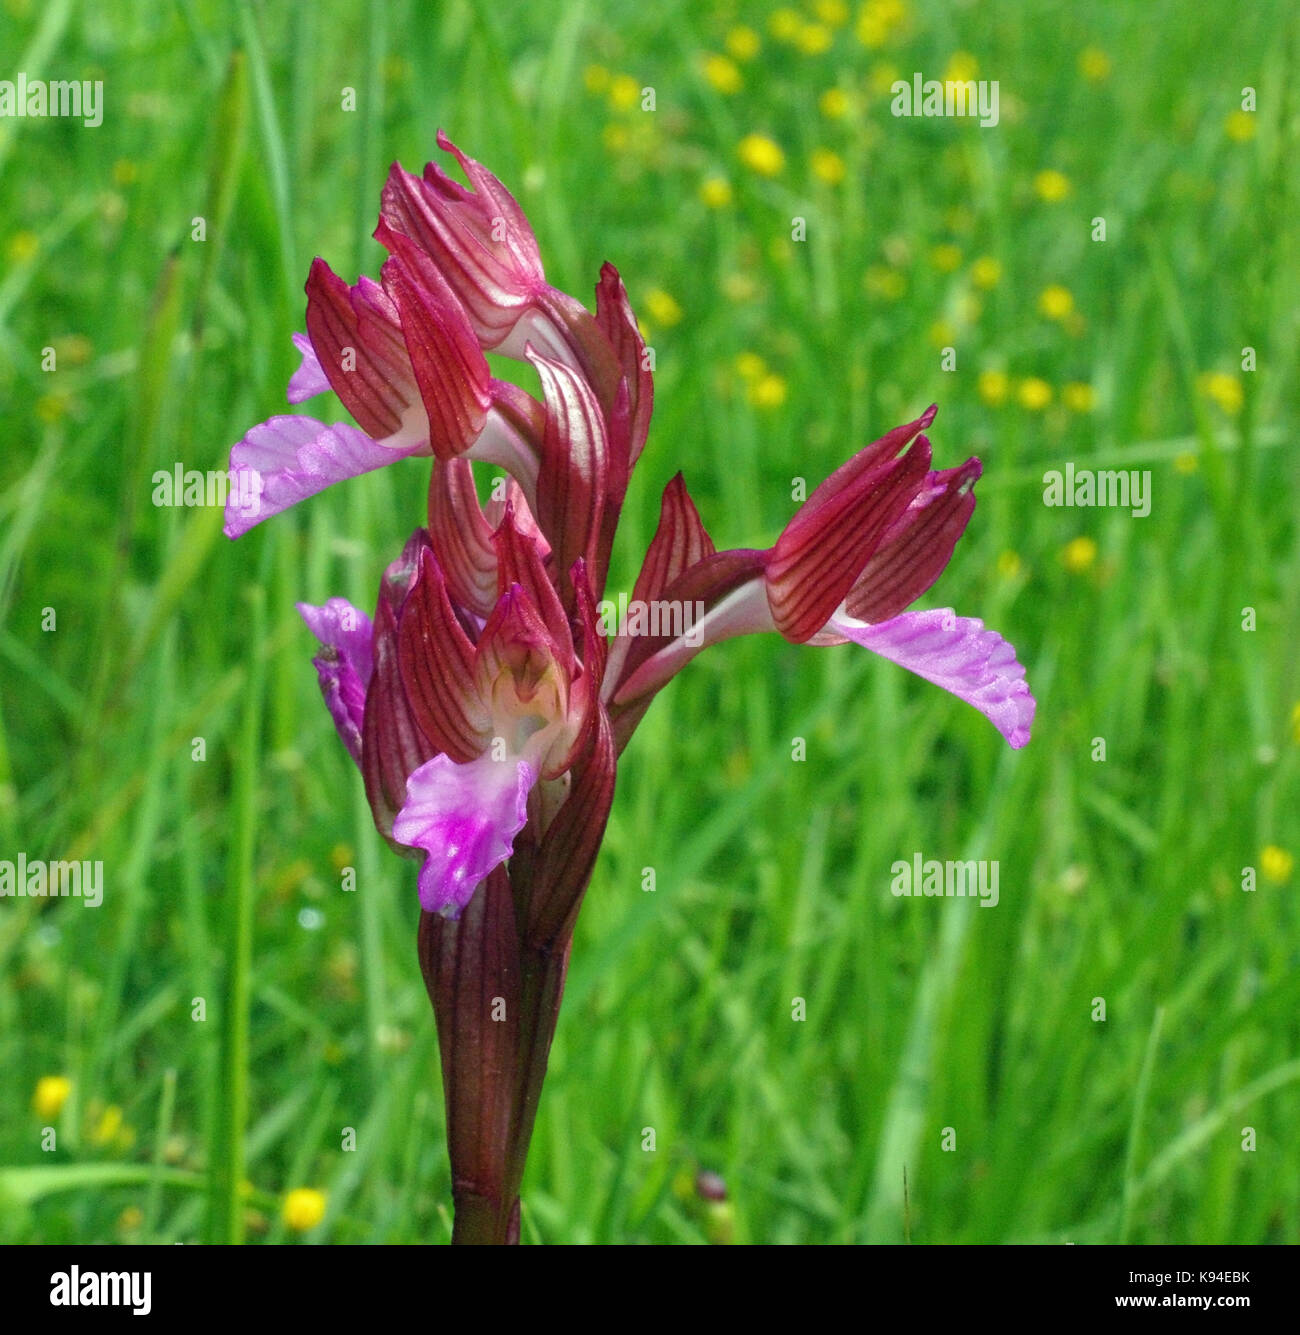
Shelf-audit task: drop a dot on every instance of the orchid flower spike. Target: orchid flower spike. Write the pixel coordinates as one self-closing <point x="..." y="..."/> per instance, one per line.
<point x="485" y="703"/>
<point x="487" y="698"/>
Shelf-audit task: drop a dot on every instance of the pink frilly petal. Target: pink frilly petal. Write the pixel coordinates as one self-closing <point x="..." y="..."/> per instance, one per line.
<point x="286" y="459"/>
<point x="465" y="818"/>
<point x="309" y="379"/>
<point x="958" y="654"/>
<point x="344" y="665"/>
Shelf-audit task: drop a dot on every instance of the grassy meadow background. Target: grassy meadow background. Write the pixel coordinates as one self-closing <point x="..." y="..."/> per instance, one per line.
<point x="1120" y="879"/>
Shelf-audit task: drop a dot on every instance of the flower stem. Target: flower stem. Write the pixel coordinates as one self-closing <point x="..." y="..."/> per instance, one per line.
<point x="496" y="1002"/>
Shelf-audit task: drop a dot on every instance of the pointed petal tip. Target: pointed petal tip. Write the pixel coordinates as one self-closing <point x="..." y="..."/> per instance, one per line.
<point x="319" y="271"/>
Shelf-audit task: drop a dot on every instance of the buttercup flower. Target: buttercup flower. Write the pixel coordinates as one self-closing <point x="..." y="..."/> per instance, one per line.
<point x="303" y="1209"/>
<point x="50" y="1095"/>
<point x="485" y="700"/>
<point x="1051" y="185"/>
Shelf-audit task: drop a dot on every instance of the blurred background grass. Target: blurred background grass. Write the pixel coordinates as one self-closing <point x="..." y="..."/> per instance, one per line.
<point x="1120" y="879"/>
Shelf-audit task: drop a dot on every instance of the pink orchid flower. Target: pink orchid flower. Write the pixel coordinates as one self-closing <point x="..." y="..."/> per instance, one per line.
<point x="484" y="704"/>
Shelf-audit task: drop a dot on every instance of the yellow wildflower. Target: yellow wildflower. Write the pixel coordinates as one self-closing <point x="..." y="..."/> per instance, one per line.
<point x="986" y="272"/>
<point x="942" y="334"/>
<point x="50" y="1095"/>
<point x="723" y="74"/>
<point x="1051" y="186"/>
<point x="738" y="287"/>
<point x="108" y="1126"/>
<point x="750" y="366"/>
<point x="1055" y="302"/>
<point x="304" y="1208"/>
<point x="22" y="247"/>
<point x="827" y="165"/>
<point x="1094" y="64"/>
<point x="1078" y="397"/>
<point x="662" y="308"/>
<point x="1224" y="389"/>
<point x="813" y="39"/>
<point x="945" y="257"/>
<point x="1240" y="126"/>
<point x="878" y="20"/>
<point x="881" y="78"/>
<point x="1079" y="554"/>
<point x="624" y="92"/>
<point x="743" y="43"/>
<point x="51" y="408"/>
<point x="768" y="392"/>
<point x="833" y="103"/>
<point x="993" y="387"/>
<point x="1276" y="864"/>
<point x="961" y="68"/>
<point x="784" y="24"/>
<point x="761" y="154"/>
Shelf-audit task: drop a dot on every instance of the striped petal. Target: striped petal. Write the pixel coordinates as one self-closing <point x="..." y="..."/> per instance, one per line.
<point x="917" y="548"/>
<point x="825" y="547"/>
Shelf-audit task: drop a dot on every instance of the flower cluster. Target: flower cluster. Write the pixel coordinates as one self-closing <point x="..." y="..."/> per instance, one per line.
<point x="484" y="703"/>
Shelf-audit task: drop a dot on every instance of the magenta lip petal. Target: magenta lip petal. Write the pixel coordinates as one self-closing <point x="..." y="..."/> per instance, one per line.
<point x="339" y="625"/>
<point x="959" y="655"/>
<point x="344" y="665"/>
<point x="310" y="378"/>
<point x="286" y="459"/>
<point x="465" y="818"/>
